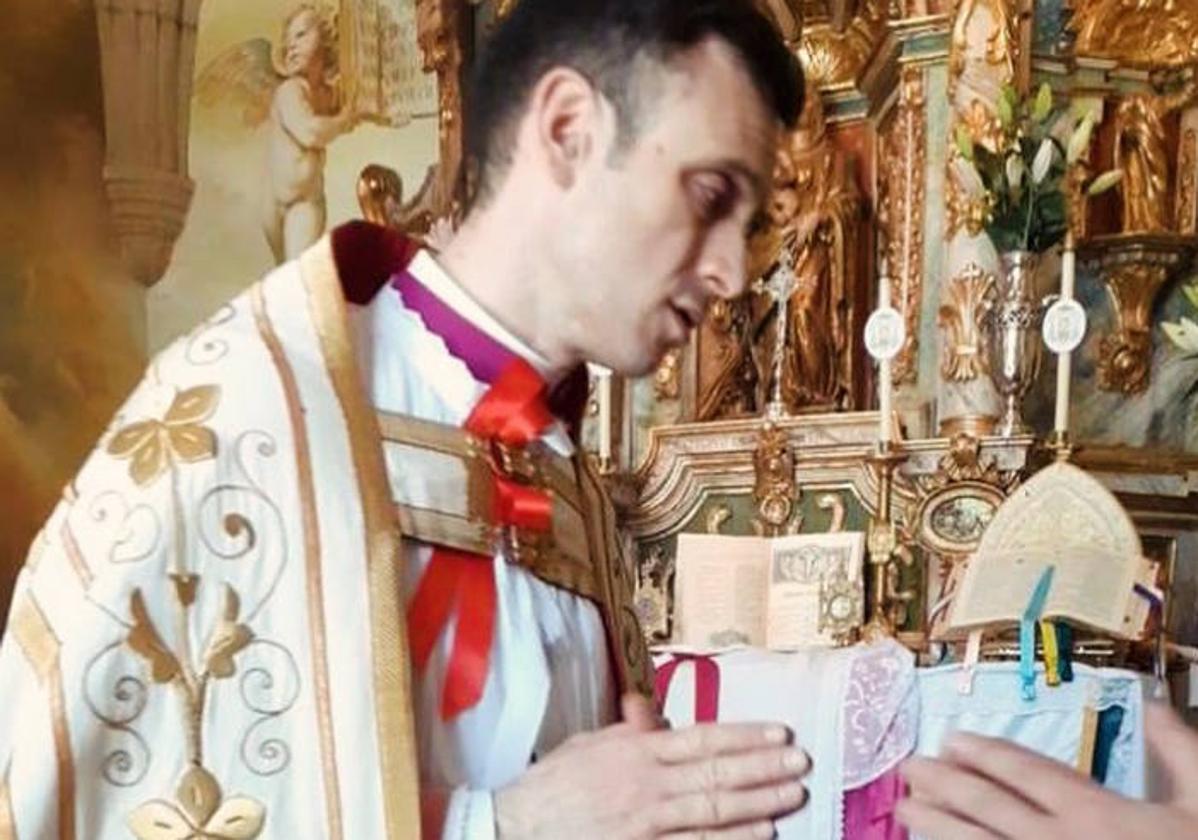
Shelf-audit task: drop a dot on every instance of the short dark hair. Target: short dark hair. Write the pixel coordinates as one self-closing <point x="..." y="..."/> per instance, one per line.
<point x="602" y="40"/>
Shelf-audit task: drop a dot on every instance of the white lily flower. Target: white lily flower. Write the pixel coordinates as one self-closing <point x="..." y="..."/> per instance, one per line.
<point x="1015" y="170"/>
<point x="1183" y="334"/>
<point x="1079" y="141"/>
<point x="1042" y="161"/>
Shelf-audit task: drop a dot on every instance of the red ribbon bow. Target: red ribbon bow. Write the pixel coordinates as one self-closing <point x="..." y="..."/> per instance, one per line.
<point x="513" y="413"/>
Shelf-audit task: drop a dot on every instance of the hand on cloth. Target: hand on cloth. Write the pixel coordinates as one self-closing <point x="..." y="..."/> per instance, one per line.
<point x="638" y="780"/>
<point x="982" y="788"/>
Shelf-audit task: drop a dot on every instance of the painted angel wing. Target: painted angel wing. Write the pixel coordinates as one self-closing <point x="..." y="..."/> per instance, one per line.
<point x="243" y="75"/>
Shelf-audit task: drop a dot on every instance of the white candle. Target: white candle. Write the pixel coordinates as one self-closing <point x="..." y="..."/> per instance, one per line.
<point x="605" y="405"/>
<point x="885" y="386"/>
<point x="1065" y="360"/>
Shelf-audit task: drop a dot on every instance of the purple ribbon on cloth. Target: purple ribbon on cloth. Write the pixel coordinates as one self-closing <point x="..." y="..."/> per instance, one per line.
<point x="869" y="810"/>
<point x="484" y="356"/>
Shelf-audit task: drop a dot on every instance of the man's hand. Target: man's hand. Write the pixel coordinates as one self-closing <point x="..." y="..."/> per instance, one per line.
<point x="636" y="780"/>
<point x="982" y="789"/>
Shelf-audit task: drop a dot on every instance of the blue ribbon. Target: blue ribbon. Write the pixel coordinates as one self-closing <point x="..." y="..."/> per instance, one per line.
<point x="1027" y="633"/>
<point x="1064" y="650"/>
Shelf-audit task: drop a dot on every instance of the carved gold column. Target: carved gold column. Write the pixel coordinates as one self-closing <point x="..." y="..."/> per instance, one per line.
<point x="147" y="58"/>
<point x="887" y="602"/>
<point x="442" y="32"/>
<point x="901" y="211"/>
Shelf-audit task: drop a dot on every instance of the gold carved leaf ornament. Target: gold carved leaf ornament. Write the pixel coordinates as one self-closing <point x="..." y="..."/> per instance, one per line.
<point x="152" y="446"/>
<point x="200" y="813"/>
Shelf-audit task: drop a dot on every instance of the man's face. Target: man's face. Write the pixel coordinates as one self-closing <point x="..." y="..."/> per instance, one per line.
<point x="656" y="233"/>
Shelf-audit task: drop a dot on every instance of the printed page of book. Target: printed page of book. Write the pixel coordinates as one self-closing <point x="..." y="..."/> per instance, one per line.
<point x="1091" y="589"/>
<point x="719" y="591"/>
<point x="801" y="568"/>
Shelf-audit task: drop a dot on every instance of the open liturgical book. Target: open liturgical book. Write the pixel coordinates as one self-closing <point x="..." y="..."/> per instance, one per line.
<point x="1065" y="518"/>
<point x="782" y="593"/>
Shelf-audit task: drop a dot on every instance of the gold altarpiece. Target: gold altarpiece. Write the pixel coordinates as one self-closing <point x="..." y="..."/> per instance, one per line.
<point x="874" y="186"/>
<point x="867" y="180"/>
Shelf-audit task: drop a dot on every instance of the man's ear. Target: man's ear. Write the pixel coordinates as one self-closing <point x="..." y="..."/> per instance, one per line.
<point x="566" y="113"/>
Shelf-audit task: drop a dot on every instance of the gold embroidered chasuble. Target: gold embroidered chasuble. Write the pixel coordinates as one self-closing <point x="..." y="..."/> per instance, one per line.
<point x="208" y="636"/>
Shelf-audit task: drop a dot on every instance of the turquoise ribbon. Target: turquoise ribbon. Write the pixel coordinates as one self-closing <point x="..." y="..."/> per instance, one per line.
<point x="1027" y="633"/>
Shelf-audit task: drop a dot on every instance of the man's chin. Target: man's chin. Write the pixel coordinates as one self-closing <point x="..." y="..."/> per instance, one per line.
<point x="631" y="366"/>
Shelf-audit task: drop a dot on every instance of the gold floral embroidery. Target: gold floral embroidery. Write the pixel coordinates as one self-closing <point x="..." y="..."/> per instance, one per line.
<point x="144" y="639"/>
<point x="200" y="815"/>
<point x="154" y="445"/>
<point x="227" y="640"/>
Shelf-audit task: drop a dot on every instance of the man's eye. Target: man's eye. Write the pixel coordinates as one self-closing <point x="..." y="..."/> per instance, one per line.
<point x="714" y="196"/>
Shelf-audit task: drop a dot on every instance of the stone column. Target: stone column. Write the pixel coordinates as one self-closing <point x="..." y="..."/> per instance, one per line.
<point x="147" y="58"/>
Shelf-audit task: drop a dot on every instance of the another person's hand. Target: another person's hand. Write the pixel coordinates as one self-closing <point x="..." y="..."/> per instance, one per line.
<point x="636" y="780"/>
<point x="982" y="788"/>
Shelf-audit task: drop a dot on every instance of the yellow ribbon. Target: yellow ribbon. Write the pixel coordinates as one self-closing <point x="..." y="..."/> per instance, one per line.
<point x="1052" y="671"/>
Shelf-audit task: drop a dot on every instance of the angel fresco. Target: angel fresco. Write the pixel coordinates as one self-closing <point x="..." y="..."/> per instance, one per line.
<point x="329" y="72"/>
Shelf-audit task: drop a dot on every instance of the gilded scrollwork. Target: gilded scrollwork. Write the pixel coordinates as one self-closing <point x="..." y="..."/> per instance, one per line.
<point x="1134" y="268"/>
<point x="440" y="26"/>
<point x="774" y="489"/>
<point x="901" y="211"/>
<point x="960" y="316"/>
<point x="667" y="379"/>
<point x="1145" y="33"/>
<point x="1125" y="356"/>
<point x="1186" y="222"/>
<point x="834" y="55"/>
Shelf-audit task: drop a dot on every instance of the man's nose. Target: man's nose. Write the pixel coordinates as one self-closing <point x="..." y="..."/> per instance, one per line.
<point x="722" y="268"/>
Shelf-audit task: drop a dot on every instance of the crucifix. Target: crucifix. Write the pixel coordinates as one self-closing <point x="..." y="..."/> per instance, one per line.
<point x="779" y="285"/>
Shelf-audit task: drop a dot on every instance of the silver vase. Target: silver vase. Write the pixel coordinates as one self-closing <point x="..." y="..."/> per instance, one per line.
<point x="1013" y="338"/>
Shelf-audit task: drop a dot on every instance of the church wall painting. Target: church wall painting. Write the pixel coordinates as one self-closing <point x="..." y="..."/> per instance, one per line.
<point x="71" y="318"/>
<point x="292" y="101"/>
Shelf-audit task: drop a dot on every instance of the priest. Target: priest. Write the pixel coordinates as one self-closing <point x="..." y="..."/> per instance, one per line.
<point x="336" y="569"/>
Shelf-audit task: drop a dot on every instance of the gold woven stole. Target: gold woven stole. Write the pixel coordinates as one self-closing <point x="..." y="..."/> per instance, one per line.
<point x="442" y="482"/>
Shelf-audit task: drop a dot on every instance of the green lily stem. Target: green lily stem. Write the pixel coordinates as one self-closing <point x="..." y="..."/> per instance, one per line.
<point x="1031" y="211"/>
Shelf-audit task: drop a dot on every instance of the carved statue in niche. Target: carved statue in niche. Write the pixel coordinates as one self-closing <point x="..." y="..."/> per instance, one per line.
<point x="1142" y="152"/>
<point x="1001" y="44"/>
<point x="813" y="219"/>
